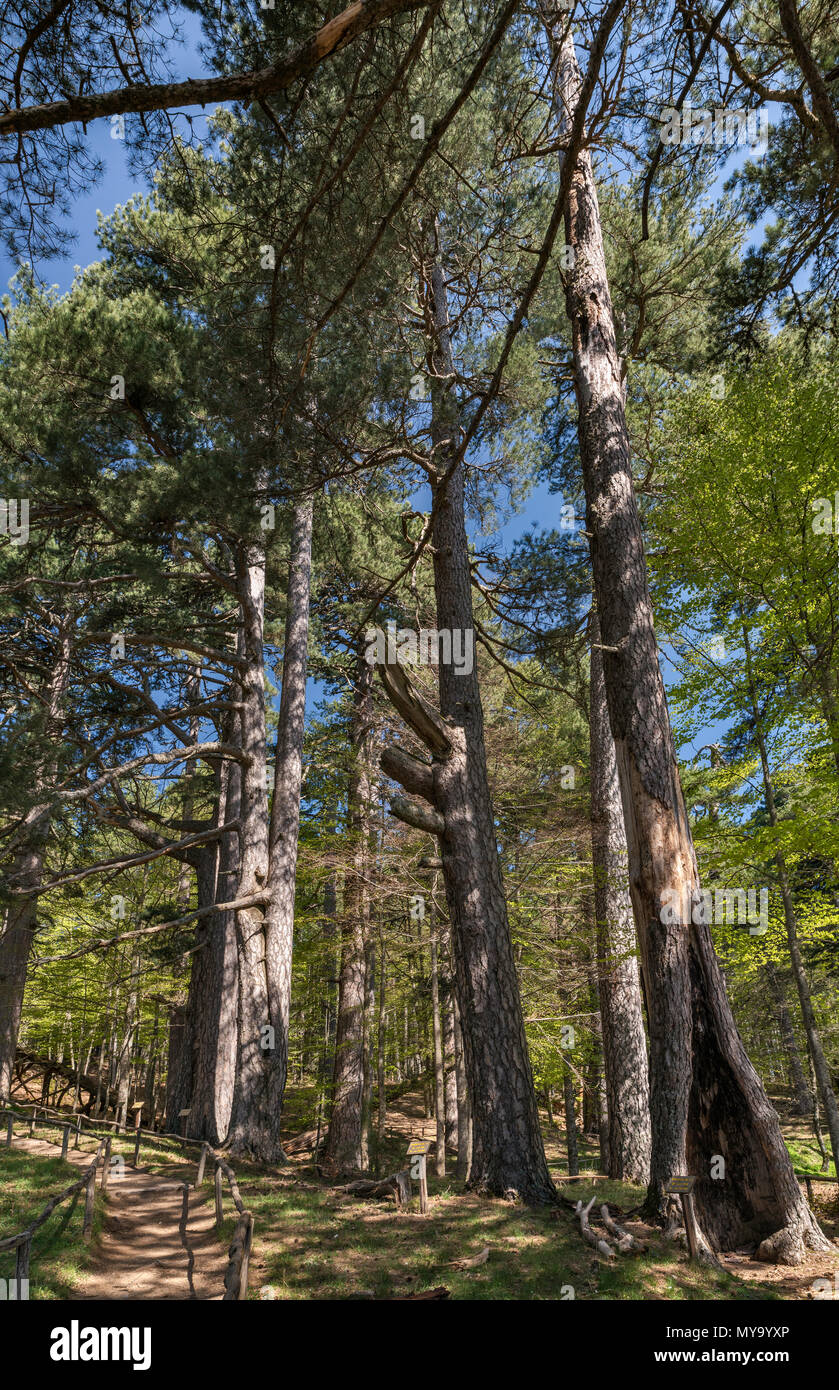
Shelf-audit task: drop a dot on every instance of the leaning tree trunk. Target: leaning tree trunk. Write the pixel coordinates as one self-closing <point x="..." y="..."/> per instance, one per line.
<point x="507" y="1149"/>
<point x="706" y="1098"/>
<point x="345" y="1148"/>
<point x="619" y="986"/>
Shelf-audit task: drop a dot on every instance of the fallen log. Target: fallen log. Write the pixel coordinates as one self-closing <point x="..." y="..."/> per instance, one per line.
<point x="398" y="1185"/>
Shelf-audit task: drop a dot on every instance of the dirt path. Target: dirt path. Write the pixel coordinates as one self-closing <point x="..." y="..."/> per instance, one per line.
<point x="145" y="1252"/>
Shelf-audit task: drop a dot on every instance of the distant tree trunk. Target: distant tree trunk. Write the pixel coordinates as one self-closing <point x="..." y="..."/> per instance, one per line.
<point x="799" y="973"/>
<point x="451" y="1068"/>
<point x="624" y="1043"/>
<point x="464" y="1112"/>
<point x="381" y="1039"/>
<point x="569" y="1092"/>
<point x="702" y="1082"/>
<point x="344" y="1151"/>
<point x="801" y="1091"/>
<point x="507" y="1149"/>
<point x="437" y="1032"/>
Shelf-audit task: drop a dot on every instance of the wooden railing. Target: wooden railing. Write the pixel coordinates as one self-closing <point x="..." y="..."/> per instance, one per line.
<point x="22" y="1241"/>
<point x="236" y="1275"/>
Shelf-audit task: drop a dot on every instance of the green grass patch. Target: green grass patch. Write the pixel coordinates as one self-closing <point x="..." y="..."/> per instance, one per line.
<point x="59" y="1254"/>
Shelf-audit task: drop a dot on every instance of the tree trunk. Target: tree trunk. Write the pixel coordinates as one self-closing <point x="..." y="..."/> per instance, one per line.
<point x="344" y="1150"/>
<point x="570" y="1097"/>
<point x="624" y="1043"/>
<point x="464" y="1109"/>
<point x="799" y="974"/>
<point x="706" y="1097"/>
<point x="437" y="1033"/>
<point x="21" y="917"/>
<point x="269" y="854"/>
<point x="507" y="1149"/>
<point x="800" y="1089"/>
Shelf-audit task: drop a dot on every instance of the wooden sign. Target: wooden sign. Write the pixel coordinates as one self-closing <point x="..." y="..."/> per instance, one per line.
<point x="184" y="1112"/>
<point x="681" y="1184"/>
<point x="419" y="1146"/>
<point x="138" y="1105"/>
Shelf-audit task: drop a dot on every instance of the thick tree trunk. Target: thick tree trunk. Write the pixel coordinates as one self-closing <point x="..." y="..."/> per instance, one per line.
<point x="268" y="862"/>
<point x="624" y="1043"/>
<point x="21" y="917"/>
<point x="706" y="1098"/>
<point x="507" y="1149"/>
<point x="344" y="1151"/>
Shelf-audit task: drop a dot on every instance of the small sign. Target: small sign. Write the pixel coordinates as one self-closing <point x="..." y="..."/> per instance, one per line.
<point x="419" y="1146"/>
<point x="138" y="1105"/>
<point x="682" y="1184"/>
<point x="184" y="1112"/>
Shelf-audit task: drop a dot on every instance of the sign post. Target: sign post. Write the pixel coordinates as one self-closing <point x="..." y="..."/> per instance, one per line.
<point x="417" y="1151"/>
<point x="683" y="1187"/>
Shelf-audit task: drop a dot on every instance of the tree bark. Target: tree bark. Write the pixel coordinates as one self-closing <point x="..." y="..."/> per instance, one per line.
<point x="507" y="1149"/>
<point x="706" y="1097"/>
<point x="619" y="986"/>
<point x="21" y="918"/>
<point x="344" y="1151"/>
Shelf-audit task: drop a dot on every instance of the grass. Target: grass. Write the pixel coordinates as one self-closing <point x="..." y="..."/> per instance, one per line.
<point x="310" y="1243"/>
<point x="57" y="1262"/>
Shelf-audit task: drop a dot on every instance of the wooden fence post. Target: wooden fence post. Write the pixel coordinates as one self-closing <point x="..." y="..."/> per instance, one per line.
<point x="78" y="1132"/>
<point x="106" y="1162"/>
<point x="217" y="1181"/>
<point x="65" y="1140"/>
<point x="32" y="1118"/>
<point x="10" y="1124"/>
<point x="22" y="1264"/>
<point x="90" y="1196"/>
<point x="202" y="1162"/>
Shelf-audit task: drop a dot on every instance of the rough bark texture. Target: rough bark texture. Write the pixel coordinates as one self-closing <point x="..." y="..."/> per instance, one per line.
<point x="706" y="1098"/>
<point x="507" y="1150"/>
<point x="21" y="917"/>
<point x="269" y="853"/>
<point x="345" y="1149"/>
<point x="619" y="986"/>
<point x="356" y="19"/>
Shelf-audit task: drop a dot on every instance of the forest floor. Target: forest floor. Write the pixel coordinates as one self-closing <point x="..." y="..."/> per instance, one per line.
<point x="312" y="1241"/>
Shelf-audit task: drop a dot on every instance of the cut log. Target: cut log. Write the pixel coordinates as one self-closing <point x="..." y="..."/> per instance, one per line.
<point x="398" y="1185"/>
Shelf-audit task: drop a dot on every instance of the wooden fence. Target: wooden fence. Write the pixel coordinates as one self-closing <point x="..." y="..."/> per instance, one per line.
<point x="22" y="1241"/>
<point x="236" y="1275"/>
